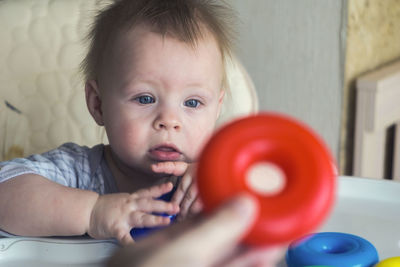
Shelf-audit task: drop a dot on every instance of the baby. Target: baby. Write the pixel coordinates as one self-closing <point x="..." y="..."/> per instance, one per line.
<point x="155" y="80"/>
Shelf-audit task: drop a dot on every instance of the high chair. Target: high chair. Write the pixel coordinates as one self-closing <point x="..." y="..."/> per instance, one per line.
<point x="42" y="105"/>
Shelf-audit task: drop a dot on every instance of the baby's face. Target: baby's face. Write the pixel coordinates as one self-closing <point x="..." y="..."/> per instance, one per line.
<point x="160" y="97"/>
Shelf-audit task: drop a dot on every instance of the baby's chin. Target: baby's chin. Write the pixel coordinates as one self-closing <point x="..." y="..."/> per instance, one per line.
<point x="160" y="175"/>
<point x="145" y="171"/>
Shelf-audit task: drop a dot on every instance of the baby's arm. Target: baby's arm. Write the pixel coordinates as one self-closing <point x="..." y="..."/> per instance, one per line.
<point x="31" y="205"/>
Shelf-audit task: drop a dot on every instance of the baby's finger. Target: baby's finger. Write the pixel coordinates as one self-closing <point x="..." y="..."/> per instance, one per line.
<point x="187" y="201"/>
<point x="177" y="168"/>
<point x="183" y="186"/>
<point x="196" y="207"/>
<point x="126" y="240"/>
<point x="152" y="205"/>
<point x="154" y="191"/>
<point x="142" y="219"/>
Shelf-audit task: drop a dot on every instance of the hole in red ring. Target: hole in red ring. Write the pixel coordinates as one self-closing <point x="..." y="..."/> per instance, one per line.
<point x="265" y="178"/>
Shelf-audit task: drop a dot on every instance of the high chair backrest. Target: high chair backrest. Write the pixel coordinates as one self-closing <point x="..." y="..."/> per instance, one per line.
<point x="42" y="101"/>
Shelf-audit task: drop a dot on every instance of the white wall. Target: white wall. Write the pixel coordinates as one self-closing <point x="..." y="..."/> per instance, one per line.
<point x="293" y="51"/>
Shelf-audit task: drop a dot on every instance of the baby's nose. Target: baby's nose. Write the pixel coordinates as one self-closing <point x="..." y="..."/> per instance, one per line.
<point x="168" y="121"/>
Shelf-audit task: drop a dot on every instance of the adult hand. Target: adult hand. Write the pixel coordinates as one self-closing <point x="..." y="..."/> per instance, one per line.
<point x="209" y="241"/>
<point x="114" y="215"/>
<point x="186" y="195"/>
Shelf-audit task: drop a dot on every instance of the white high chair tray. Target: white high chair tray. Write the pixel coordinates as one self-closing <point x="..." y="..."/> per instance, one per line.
<point x="55" y="252"/>
<point x="369" y="208"/>
<point x="365" y="207"/>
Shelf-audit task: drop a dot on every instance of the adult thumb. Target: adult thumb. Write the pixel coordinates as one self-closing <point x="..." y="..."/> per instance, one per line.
<point x="214" y="237"/>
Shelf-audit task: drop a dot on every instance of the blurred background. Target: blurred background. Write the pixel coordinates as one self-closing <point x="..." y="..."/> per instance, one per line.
<point x="303" y="56"/>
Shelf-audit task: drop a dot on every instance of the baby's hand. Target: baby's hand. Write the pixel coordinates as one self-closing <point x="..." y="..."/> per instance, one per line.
<point x="186" y="195"/>
<point x="114" y="215"/>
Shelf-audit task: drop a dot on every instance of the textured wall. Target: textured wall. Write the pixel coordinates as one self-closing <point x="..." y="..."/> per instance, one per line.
<point x="294" y="52"/>
<point x="373" y="39"/>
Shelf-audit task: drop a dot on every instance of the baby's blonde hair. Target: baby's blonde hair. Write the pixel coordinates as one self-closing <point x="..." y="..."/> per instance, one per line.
<point x="185" y="20"/>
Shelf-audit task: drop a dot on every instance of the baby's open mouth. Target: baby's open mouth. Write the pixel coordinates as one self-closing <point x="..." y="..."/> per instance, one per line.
<point x="165" y="153"/>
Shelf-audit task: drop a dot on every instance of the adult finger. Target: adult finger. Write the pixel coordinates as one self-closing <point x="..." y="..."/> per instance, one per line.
<point x="210" y="240"/>
<point x="196" y="242"/>
<point x="264" y="256"/>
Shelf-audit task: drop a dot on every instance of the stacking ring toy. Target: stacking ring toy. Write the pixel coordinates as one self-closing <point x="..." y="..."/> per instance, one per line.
<point x="332" y="249"/>
<point x="302" y="157"/>
<point x="390" y="262"/>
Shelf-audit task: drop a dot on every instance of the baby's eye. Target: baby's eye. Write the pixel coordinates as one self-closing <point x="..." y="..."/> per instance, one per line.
<point x="192" y="103"/>
<point x="145" y="99"/>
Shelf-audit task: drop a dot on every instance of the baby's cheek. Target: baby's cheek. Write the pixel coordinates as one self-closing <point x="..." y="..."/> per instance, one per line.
<point x="126" y="138"/>
<point x="201" y="140"/>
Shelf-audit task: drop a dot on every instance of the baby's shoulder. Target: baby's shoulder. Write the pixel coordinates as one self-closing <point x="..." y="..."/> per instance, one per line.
<point x="69" y="157"/>
<point x="73" y="150"/>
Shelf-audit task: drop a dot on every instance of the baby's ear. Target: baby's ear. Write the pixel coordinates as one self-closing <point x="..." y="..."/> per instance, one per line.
<point x="93" y="101"/>
<point x="220" y="101"/>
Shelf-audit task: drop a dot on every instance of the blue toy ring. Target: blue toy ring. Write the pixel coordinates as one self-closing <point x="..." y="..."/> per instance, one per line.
<point x="331" y="249"/>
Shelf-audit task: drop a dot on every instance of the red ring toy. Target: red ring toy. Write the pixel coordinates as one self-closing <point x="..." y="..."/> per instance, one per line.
<point x="309" y="168"/>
